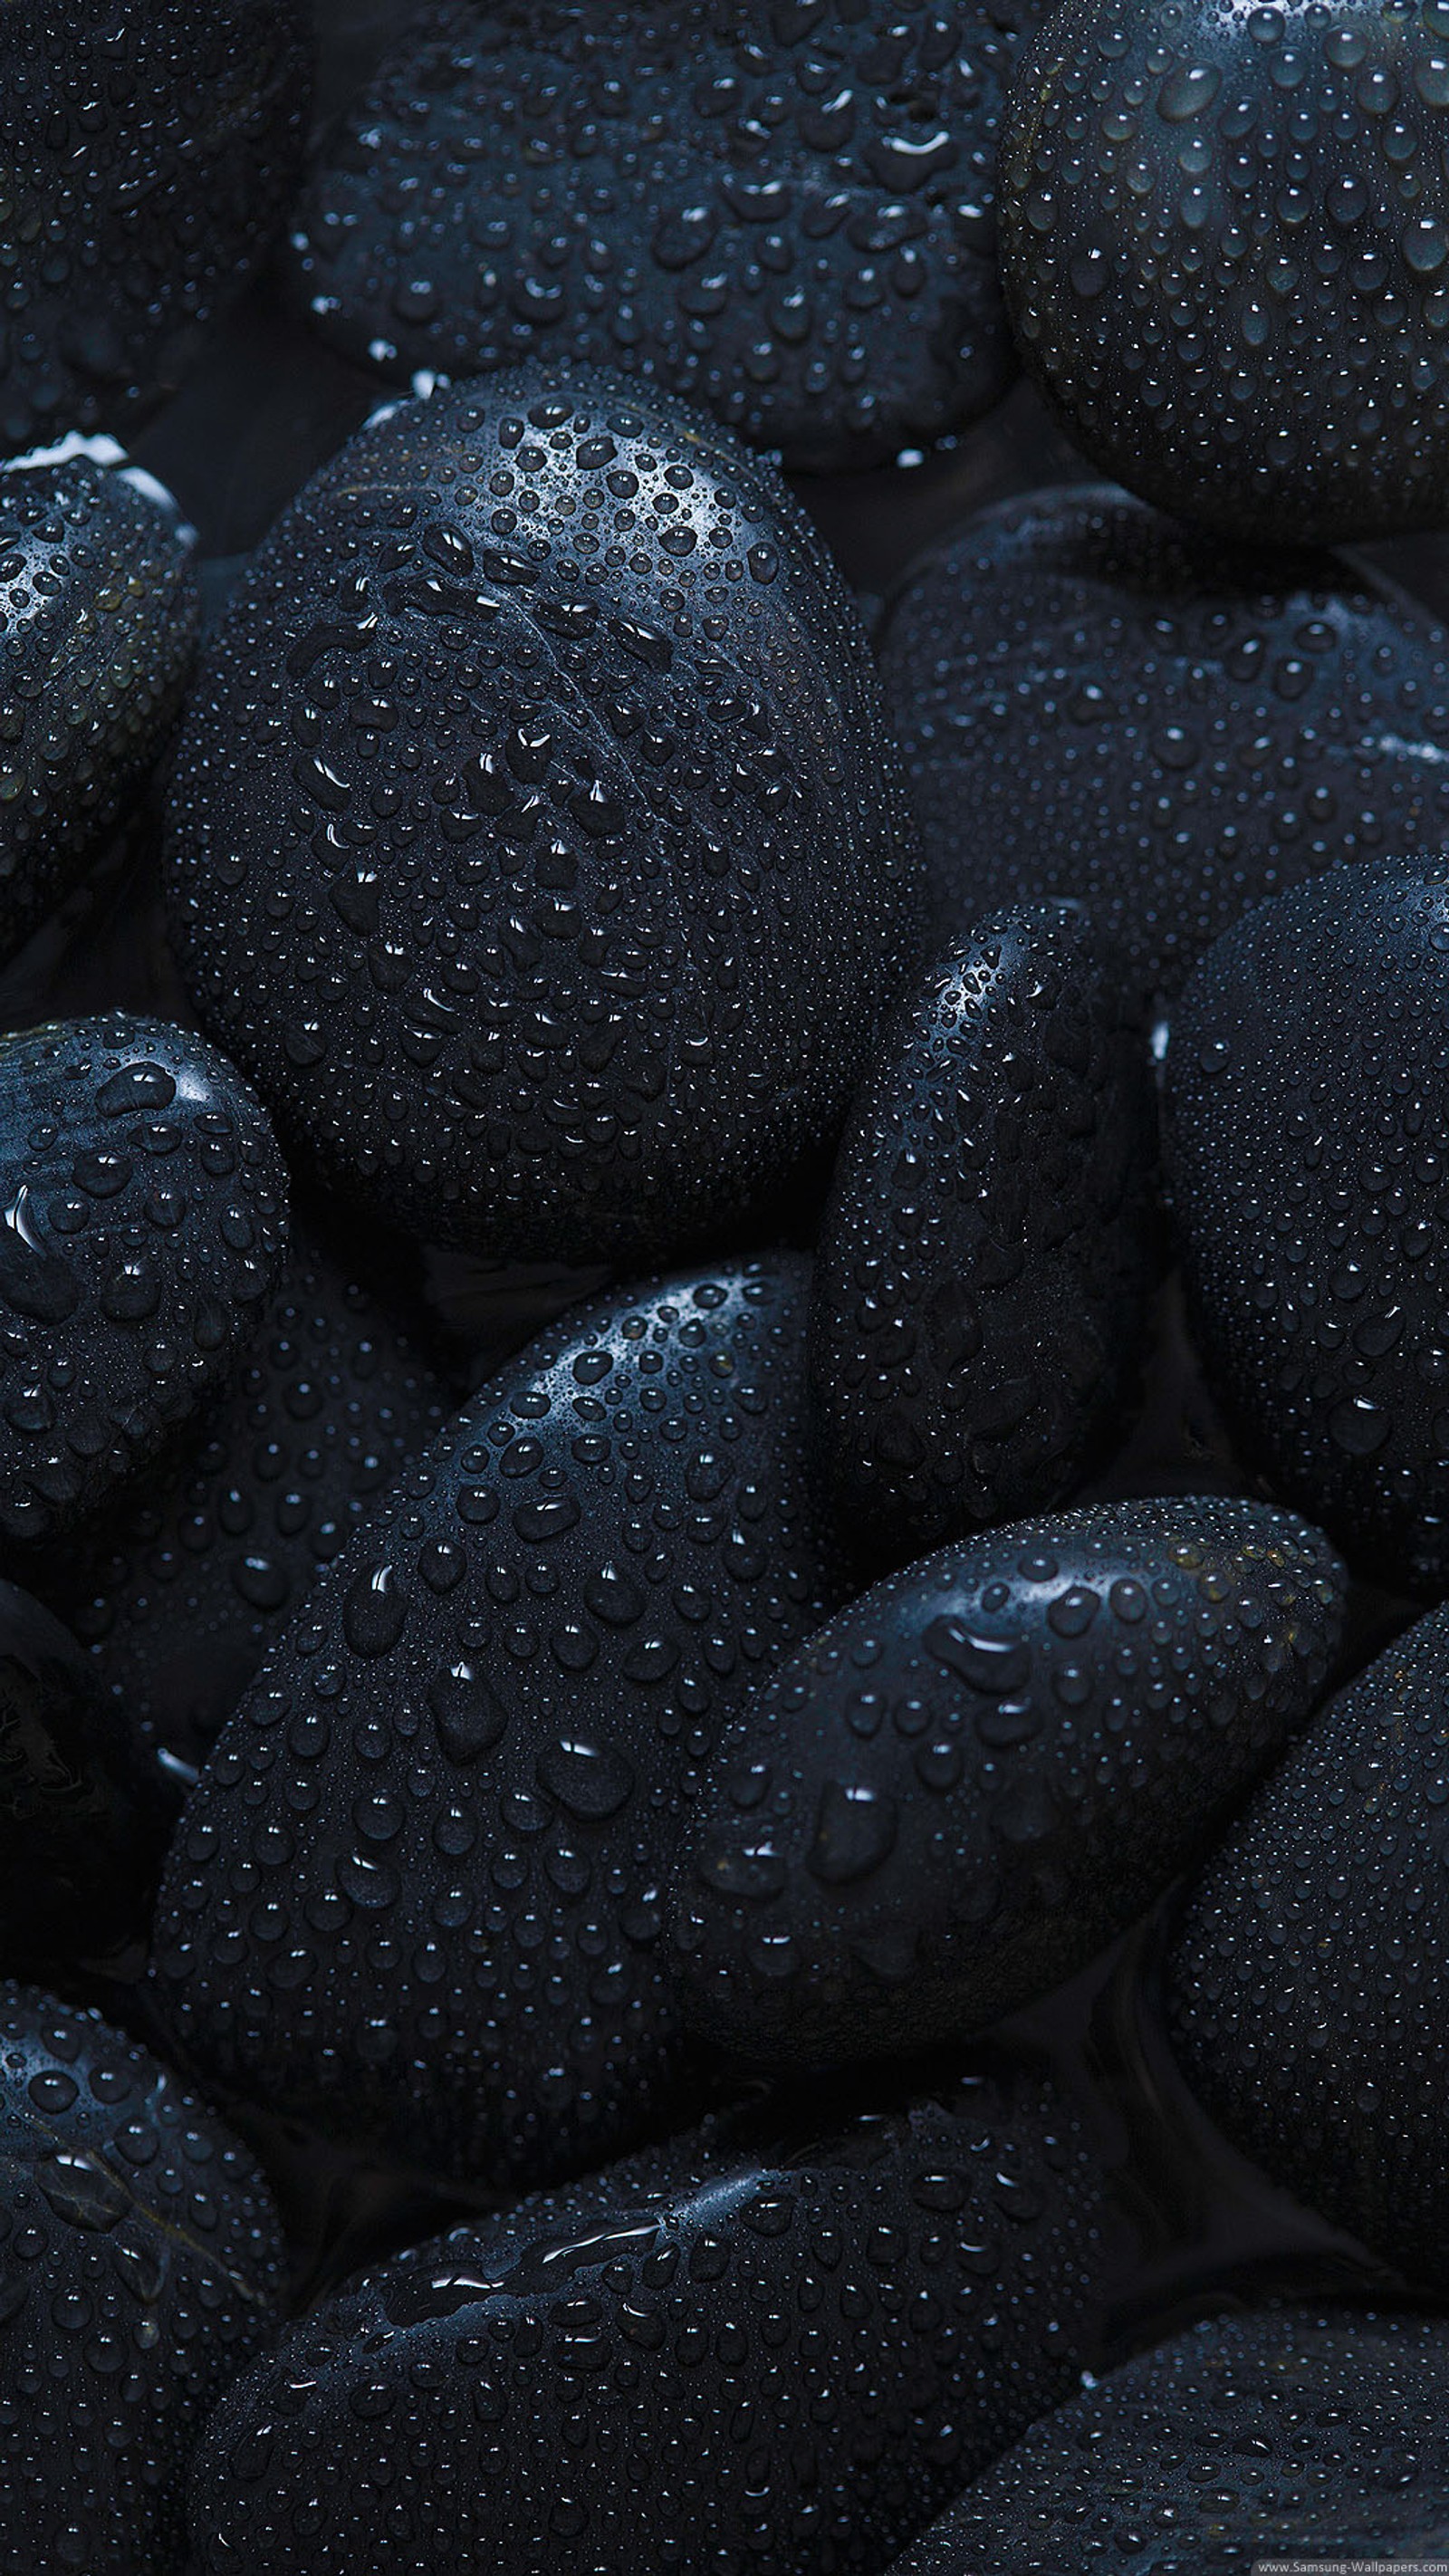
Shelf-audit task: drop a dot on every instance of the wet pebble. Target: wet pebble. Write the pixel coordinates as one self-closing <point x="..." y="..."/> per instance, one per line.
<point x="767" y="2345"/>
<point x="98" y="618"/>
<point x="140" y="2270"/>
<point x="143" y="1213"/>
<point x="1308" y="1979"/>
<point x="1288" y="2435"/>
<point x="191" y="1575"/>
<point x="975" y="1775"/>
<point x="1308" y="1086"/>
<point x="983" y="1269"/>
<point x="417" y="1897"/>
<point x="537" y="844"/>
<point x="1225" y="243"/>
<point x="148" y="155"/>
<point x="1097" y="702"/>
<point x="787" y="216"/>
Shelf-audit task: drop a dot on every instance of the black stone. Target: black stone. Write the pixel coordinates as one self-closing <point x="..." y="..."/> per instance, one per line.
<point x="774" y="2343"/>
<point x="786" y="214"/>
<point x="142" y="1225"/>
<point x="75" y="1856"/>
<point x="98" y="619"/>
<point x="1308" y="1979"/>
<point x="417" y="1897"/>
<point x="550" y="884"/>
<point x="1286" y="2435"/>
<point x="1096" y="702"/>
<point x="977" y="1774"/>
<point x="1308" y="1090"/>
<point x="149" y="155"/>
<point x="140" y="2269"/>
<point x="984" y="1265"/>
<point x="1224" y="237"/>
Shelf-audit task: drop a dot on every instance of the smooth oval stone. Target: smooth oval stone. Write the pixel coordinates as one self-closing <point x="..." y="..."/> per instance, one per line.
<point x="1308" y="1085"/>
<point x="774" y="2342"/>
<point x="73" y="1850"/>
<point x="787" y="216"/>
<point x="978" y="1773"/>
<point x="416" y="1898"/>
<point x="544" y="864"/>
<point x="1307" y="1980"/>
<point x="195" y="1570"/>
<point x="1293" y="2435"/>
<point x="1225" y="245"/>
<point x="140" y="2270"/>
<point x="143" y="1208"/>
<point x="148" y="154"/>
<point x="98" y="619"/>
<point x="987" y="1251"/>
<point x="1094" y="701"/>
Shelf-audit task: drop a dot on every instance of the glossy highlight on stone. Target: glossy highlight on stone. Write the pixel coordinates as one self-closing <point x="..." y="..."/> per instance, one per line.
<point x="785" y="214"/>
<point x="417" y="1896"/>
<point x="1094" y="701"/>
<point x="1307" y="1980"/>
<point x="1224" y="236"/>
<point x="988" y="1247"/>
<point x="537" y="843"/>
<point x="979" y="1772"/>
<point x="184" y="1585"/>
<point x="777" y="2343"/>
<point x="98" y="618"/>
<point x="1295" y="2433"/>
<point x="74" y="1853"/>
<point x="1308" y="1085"/>
<point x="143" y="1221"/>
<point x="140" y="2269"/>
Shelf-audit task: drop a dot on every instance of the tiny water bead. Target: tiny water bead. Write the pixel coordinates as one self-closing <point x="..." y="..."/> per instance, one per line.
<point x="148" y="156"/>
<point x="1225" y="247"/>
<point x="785" y="214"/>
<point x="1308" y="1085"/>
<point x="1309" y="1978"/>
<point x="537" y="844"/>
<point x="417" y="1896"/>
<point x="767" y="2345"/>
<point x="194" y="1571"/>
<point x="976" y="1774"/>
<point x="98" y="618"/>
<point x="1096" y="702"/>
<point x="73" y="1854"/>
<point x="988" y="1247"/>
<point x="143" y="1208"/>
<point x="140" y="2270"/>
<point x="1285" y="2435"/>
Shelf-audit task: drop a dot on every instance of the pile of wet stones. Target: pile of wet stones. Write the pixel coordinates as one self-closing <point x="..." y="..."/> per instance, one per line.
<point x="724" y="1287"/>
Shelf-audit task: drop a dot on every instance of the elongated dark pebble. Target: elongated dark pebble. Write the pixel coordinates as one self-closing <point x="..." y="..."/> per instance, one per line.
<point x="763" y="2346"/>
<point x="144" y="1224"/>
<point x="983" y="1769"/>
<point x="140" y="2269"/>
<point x="74" y="1852"/>
<point x="417" y="1897"/>
<point x="1289" y="2435"/>
<point x="787" y="216"/>
<point x="1308" y="1978"/>
<point x="1308" y="1085"/>
<point x="984" y="1263"/>
<point x="1224" y="236"/>
<point x="183" y="1586"/>
<point x="98" y="616"/>
<point x="148" y="154"/>
<point x="1095" y="701"/>
<point x="537" y="845"/>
